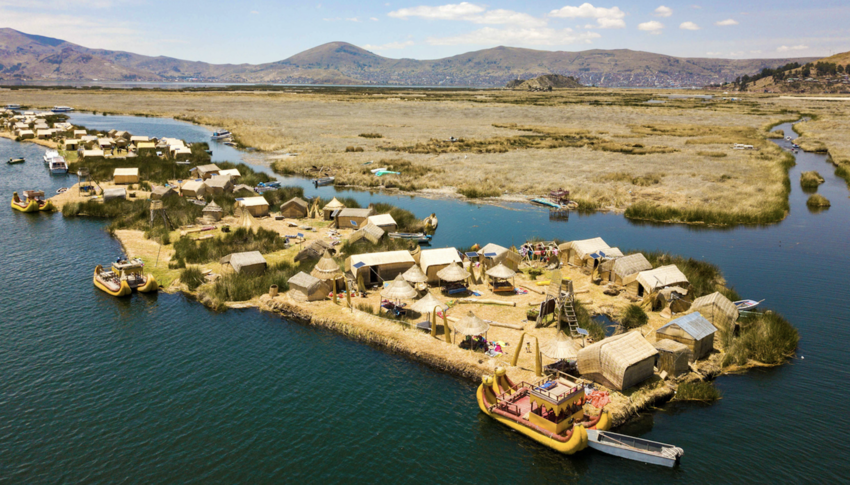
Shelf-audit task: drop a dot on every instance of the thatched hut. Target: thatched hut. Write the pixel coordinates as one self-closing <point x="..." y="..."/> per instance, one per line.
<point x="114" y="193"/>
<point x="492" y="255"/>
<point x="205" y="171"/>
<point x="219" y="185"/>
<point x="256" y="206"/>
<point x="692" y="330"/>
<point x="304" y="287"/>
<point x="332" y="206"/>
<point x="625" y="270"/>
<point x="717" y="309"/>
<point x="619" y="362"/>
<point x="314" y="250"/>
<point x="294" y="208"/>
<point x="415" y="275"/>
<point x="470" y="325"/>
<point x="352" y="218"/>
<point x="193" y="188"/>
<point x="328" y="271"/>
<point x="673" y="357"/>
<point x="213" y="211"/>
<point x="657" y="279"/>
<point x="233" y="173"/>
<point x="126" y="176"/>
<point x="249" y="262"/>
<point x="453" y="273"/>
<point x="369" y="232"/>
<point x="242" y="190"/>
<point x="433" y="260"/>
<point x="384" y="221"/>
<point x="578" y="252"/>
<point x="161" y="192"/>
<point x="374" y="268"/>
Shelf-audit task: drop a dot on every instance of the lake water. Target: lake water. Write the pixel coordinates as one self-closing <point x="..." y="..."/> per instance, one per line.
<point x="157" y="388"/>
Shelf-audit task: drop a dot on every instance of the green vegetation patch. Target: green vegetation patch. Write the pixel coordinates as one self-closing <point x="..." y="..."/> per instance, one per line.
<point x="192" y="277"/>
<point x="811" y="180"/>
<point x="370" y="135"/>
<point x="818" y="201"/>
<point x="645" y="210"/>
<point x="705" y="278"/>
<point x="243" y="287"/>
<point x="697" y="391"/>
<point x="766" y="338"/>
<point x="633" y="317"/>
<point x="240" y="240"/>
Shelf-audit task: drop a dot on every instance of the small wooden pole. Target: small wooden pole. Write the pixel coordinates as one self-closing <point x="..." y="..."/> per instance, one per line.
<point x="334" y="291"/>
<point x="434" y="322"/>
<point x="518" y="348"/>
<point x="538" y="360"/>
<point x="348" y="295"/>
<point x="446" y="329"/>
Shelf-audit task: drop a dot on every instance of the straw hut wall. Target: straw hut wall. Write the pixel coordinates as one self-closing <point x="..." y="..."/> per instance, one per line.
<point x="673" y="357"/>
<point x="161" y="192"/>
<point x="126" y="176"/>
<point x="578" y="252"/>
<point x="304" y="287"/>
<point x="369" y="232"/>
<point x="625" y="270"/>
<point x="352" y="218"/>
<point x="432" y="261"/>
<point x="256" y="206"/>
<point x="213" y="211"/>
<point x="385" y="222"/>
<point x="294" y="208"/>
<point x="693" y="331"/>
<point x="193" y="188"/>
<point x="375" y="268"/>
<point x="620" y="362"/>
<point x="249" y="262"/>
<point x="717" y="309"/>
<point x="331" y="207"/>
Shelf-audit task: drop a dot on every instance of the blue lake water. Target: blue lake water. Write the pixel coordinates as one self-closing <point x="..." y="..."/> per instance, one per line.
<point x="160" y="389"/>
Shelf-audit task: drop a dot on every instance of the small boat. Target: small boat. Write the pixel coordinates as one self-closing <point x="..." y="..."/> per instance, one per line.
<point x="746" y="305"/>
<point x="13" y="161"/>
<point x="545" y="202"/>
<point x="183" y="162"/>
<point x="409" y="235"/>
<point x="124" y="278"/>
<point x="33" y="201"/>
<point x="230" y="143"/>
<point x="13" y="106"/>
<point x="221" y="135"/>
<point x="322" y="181"/>
<point x="381" y="173"/>
<point x="61" y="190"/>
<point x="62" y="109"/>
<point x="549" y="411"/>
<point x="272" y="185"/>
<point x="632" y="448"/>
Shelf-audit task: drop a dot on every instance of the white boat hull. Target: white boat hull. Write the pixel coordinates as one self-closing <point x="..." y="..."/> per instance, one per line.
<point x="669" y="457"/>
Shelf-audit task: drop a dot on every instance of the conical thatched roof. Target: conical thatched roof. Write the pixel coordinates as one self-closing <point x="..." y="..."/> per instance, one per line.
<point x="471" y="325"/>
<point x="452" y="273"/>
<point x="399" y="290"/>
<point x="501" y="271"/>
<point x="415" y="275"/>
<point x="427" y="304"/>
<point x="334" y="204"/>
<point x="327" y="269"/>
<point x="560" y="347"/>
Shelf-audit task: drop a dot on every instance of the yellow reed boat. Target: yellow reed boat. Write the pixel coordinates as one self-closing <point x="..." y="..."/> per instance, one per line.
<point x="33" y="201"/>
<point x="549" y="411"/>
<point x="124" y="278"/>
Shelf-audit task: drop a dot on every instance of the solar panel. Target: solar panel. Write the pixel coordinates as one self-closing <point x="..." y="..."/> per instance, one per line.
<point x="490" y="255"/>
<point x="472" y="255"/>
<point x="582" y="331"/>
<point x="359" y="265"/>
<point x="300" y="235"/>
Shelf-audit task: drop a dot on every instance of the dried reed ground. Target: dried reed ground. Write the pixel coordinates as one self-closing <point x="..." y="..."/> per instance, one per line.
<point x="319" y="125"/>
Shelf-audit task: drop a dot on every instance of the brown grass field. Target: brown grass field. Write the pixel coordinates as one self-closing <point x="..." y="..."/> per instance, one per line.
<point x="610" y="148"/>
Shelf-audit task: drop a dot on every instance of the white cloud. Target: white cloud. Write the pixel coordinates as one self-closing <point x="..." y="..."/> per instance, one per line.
<point x="85" y="30"/>
<point x="688" y="26"/>
<point x="517" y="36"/>
<point x="373" y="19"/>
<point x="696" y="7"/>
<point x="785" y="48"/>
<point x="254" y="12"/>
<point x="469" y="12"/>
<point x="352" y="19"/>
<point x="755" y="52"/>
<point x="389" y="46"/>
<point x="457" y="11"/>
<point x="663" y="11"/>
<point x="736" y="54"/>
<point x="713" y="54"/>
<point x="653" y="27"/>
<point x="606" y="18"/>
<point x="726" y="23"/>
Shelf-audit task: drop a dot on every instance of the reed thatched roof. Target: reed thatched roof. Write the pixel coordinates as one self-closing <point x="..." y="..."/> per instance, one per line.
<point x="471" y="325"/>
<point x="334" y="204"/>
<point x="692" y="324"/>
<point x="452" y="273"/>
<point x="662" y="277"/>
<point x="212" y="207"/>
<point x="370" y="232"/>
<point x="327" y="269"/>
<point x="304" y="282"/>
<point x="585" y="247"/>
<point x="490" y="248"/>
<point x="500" y="271"/>
<point x="415" y="275"/>
<point x="561" y="347"/>
<point x="427" y="304"/>
<point x="436" y="257"/>
<point x="631" y="264"/>
<point x="612" y="356"/>
<point x="717" y="309"/>
<point x="399" y="290"/>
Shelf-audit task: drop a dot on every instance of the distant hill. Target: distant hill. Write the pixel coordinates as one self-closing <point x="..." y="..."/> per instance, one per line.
<point x="25" y="57"/>
<point x="544" y="82"/>
<point x="830" y="75"/>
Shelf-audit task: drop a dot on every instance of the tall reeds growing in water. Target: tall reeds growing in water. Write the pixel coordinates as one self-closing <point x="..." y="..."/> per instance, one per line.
<point x="766" y="338"/>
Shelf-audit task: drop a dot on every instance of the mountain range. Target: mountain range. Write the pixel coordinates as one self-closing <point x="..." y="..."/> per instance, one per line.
<point x="27" y="57"/>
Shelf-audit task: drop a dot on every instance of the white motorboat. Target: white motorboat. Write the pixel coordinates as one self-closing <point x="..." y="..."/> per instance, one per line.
<point x="55" y="162"/>
<point x="62" y="109"/>
<point x="221" y="135"/>
<point x="633" y="448"/>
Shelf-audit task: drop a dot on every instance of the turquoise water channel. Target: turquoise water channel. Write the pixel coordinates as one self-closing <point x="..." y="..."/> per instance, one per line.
<point x="154" y="389"/>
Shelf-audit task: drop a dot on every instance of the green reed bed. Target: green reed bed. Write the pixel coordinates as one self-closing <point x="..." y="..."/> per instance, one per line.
<point x="764" y="337"/>
<point x="239" y="240"/>
<point x="697" y="391"/>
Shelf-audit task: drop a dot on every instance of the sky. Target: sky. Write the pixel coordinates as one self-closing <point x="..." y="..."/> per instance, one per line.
<point x="258" y="31"/>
